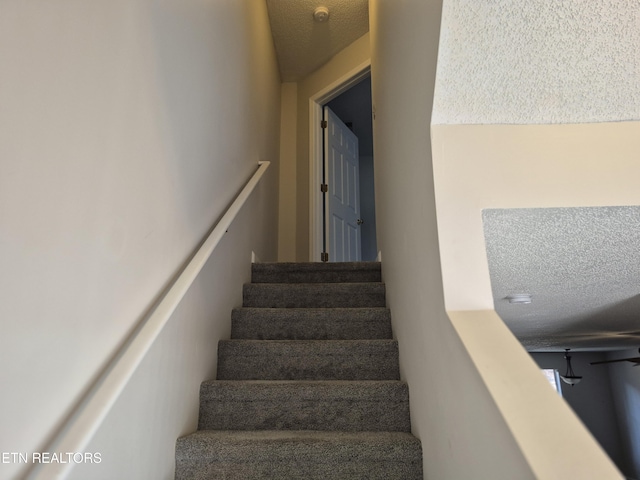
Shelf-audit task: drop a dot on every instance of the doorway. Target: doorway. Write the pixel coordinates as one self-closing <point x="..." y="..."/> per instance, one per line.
<point x="353" y="109"/>
<point x="350" y="98"/>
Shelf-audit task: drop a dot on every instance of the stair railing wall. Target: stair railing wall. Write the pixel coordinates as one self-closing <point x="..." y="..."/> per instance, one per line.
<point x="83" y="423"/>
<point x="549" y="434"/>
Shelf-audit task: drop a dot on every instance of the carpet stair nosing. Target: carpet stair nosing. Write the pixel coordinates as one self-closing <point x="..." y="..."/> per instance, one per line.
<point x="313" y="295"/>
<point x="329" y="272"/>
<point x="234" y="455"/>
<point x="304" y="405"/>
<point x="310" y="323"/>
<point x="308" y="360"/>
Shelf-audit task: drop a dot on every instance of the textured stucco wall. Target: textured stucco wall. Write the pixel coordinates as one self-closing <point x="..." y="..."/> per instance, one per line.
<point x="513" y="62"/>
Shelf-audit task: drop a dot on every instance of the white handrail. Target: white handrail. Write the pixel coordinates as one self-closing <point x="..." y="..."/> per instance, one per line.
<point x="75" y="435"/>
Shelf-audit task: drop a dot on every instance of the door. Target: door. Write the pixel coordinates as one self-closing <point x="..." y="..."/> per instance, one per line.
<point x="342" y="201"/>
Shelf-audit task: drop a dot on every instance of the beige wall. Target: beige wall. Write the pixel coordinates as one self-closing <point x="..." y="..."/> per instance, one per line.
<point x="546" y="431"/>
<point x="462" y="432"/>
<point x="478" y="402"/>
<point x="512" y="166"/>
<point x="344" y="62"/>
<point x="288" y="149"/>
<point x="127" y="128"/>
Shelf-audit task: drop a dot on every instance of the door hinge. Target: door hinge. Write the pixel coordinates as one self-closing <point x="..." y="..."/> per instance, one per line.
<point x="324" y="124"/>
<point x="324" y="188"/>
<point x="324" y="257"/>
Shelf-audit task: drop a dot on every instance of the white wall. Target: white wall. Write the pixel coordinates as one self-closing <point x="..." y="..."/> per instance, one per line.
<point x="340" y="65"/>
<point x="625" y="387"/>
<point x="590" y="399"/>
<point x="125" y="130"/>
<point x="467" y="399"/>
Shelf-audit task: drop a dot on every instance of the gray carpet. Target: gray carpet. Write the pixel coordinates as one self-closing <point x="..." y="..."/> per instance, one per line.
<point x="309" y="384"/>
<point x="310" y="323"/>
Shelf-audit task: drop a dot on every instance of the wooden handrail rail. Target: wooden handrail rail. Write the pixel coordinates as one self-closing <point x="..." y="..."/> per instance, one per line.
<point x="84" y="422"/>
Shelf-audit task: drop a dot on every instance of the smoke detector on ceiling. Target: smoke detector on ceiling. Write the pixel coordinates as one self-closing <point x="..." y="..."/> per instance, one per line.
<point x="321" y="14"/>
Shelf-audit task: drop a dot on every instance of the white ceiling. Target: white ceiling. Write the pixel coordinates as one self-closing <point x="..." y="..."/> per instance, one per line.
<point x="304" y="45"/>
<point x="538" y="62"/>
<point x="581" y="267"/>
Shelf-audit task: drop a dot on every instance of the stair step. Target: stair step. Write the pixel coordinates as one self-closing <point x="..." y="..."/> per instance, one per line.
<point x="308" y="360"/>
<point x="304" y="405"/>
<point x="310" y="324"/>
<point x="341" y="272"/>
<point x="252" y="455"/>
<point x="313" y="295"/>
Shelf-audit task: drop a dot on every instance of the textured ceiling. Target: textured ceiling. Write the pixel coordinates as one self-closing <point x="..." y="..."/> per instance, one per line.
<point x="539" y="61"/>
<point x="304" y="45"/>
<point x="581" y="267"/>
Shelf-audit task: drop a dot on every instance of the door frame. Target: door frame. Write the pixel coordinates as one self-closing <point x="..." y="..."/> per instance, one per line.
<point x="316" y="102"/>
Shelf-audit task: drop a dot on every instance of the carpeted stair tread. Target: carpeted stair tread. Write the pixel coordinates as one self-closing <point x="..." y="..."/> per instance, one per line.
<point x="308" y="386"/>
<point x="310" y="323"/>
<point x="341" y="272"/>
<point x="252" y="455"/>
<point x="308" y="360"/>
<point x="313" y="295"/>
<point x="304" y="405"/>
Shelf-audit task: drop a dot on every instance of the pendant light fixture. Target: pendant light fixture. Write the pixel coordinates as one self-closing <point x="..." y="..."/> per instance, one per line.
<point x="569" y="377"/>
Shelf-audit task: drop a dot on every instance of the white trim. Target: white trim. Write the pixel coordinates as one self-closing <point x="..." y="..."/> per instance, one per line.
<point x="84" y="422"/>
<point x="315" y="150"/>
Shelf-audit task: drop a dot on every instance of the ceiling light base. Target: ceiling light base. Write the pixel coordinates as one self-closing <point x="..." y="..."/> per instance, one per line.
<point x="519" y="298"/>
<point x="321" y="14"/>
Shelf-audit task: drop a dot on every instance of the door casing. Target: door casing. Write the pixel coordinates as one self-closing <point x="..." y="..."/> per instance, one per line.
<point x="316" y="102"/>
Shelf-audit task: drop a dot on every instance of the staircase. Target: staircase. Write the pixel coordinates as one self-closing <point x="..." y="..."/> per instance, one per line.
<point x="308" y="386"/>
